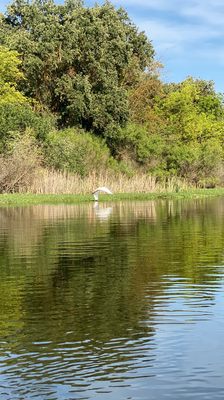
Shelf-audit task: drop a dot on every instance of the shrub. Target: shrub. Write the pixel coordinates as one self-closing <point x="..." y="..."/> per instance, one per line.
<point x="14" y="118"/>
<point x="144" y="148"/>
<point x="199" y="163"/>
<point x="76" y="151"/>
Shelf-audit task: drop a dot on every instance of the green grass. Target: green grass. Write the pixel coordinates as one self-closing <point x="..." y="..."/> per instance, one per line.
<point x="32" y="199"/>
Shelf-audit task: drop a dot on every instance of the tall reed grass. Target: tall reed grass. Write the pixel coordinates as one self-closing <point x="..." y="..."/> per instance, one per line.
<point x="53" y="182"/>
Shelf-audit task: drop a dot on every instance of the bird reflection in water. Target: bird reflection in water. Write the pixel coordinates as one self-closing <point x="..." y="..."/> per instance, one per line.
<point x="102" y="213"/>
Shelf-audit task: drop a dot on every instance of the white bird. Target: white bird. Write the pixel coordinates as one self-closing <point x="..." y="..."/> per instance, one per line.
<point x="99" y="190"/>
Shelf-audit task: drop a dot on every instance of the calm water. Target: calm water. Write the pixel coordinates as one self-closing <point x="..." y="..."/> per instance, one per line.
<point x="115" y="301"/>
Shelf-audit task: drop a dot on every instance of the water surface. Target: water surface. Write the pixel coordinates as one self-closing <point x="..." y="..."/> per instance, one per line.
<point x="112" y="301"/>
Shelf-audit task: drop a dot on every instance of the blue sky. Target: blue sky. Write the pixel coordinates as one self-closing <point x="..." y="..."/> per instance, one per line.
<point x="188" y="35"/>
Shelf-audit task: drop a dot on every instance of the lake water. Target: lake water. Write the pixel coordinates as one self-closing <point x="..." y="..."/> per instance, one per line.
<point x="112" y="301"/>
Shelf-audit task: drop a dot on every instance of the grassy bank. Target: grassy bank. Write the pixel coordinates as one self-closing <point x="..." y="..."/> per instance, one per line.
<point x="32" y="199"/>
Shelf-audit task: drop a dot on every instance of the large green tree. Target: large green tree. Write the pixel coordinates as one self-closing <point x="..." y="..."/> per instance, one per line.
<point x="77" y="59"/>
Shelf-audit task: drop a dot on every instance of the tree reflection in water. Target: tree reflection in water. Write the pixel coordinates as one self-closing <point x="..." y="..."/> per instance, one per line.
<point x="83" y="288"/>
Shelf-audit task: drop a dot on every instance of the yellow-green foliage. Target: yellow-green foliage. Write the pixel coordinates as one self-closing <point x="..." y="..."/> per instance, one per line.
<point x="76" y="151"/>
<point x="195" y="127"/>
<point x="179" y="129"/>
<point x="183" y="110"/>
<point x="9" y="76"/>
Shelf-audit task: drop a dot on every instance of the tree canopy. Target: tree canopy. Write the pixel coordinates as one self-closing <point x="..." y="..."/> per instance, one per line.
<point x="75" y="59"/>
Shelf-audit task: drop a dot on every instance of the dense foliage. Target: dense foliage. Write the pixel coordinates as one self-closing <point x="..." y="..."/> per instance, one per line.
<point x="75" y="59"/>
<point x="9" y="75"/>
<point x="84" y="81"/>
<point x="76" y="151"/>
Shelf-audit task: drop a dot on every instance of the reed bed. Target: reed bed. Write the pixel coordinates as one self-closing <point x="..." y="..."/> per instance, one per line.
<point x="53" y="182"/>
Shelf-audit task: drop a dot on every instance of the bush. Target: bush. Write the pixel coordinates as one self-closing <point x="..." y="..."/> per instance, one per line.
<point x="76" y="151"/>
<point x="140" y="146"/>
<point x="199" y="160"/>
<point x="20" y="164"/>
<point x="14" y="118"/>
<point x="199" y="163"/>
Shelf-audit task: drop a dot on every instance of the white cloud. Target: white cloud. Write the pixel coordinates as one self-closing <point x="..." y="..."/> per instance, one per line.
<point x="192" y="20"/>
<point x="153" y="4"/>
<point x="174" y="5"/>
<point x="178" y="33"/>
<point x="208" y="13"/>
<point x="187" y="35"/>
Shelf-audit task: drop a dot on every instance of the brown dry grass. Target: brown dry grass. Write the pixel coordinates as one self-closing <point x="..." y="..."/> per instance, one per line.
<point x="53" y="182"/>
<point x="20" y="165"/>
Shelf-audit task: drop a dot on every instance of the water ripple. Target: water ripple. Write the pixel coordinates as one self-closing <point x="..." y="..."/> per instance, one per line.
<point x="119" y="302"/>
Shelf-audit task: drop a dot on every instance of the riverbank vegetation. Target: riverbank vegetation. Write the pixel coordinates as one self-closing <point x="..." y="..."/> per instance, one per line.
<point x="82" y="104"/>
<point x="28" y="199"/>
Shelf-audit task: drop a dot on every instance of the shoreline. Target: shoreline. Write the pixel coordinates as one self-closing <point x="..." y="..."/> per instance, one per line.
<point x="28" y="199"/>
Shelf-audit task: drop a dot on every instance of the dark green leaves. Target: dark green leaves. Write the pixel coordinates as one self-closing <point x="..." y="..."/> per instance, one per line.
<point x="75" y="59"/>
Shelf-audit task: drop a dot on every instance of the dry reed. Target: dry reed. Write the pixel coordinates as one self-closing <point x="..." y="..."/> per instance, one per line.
<point x="53" y="182"/>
